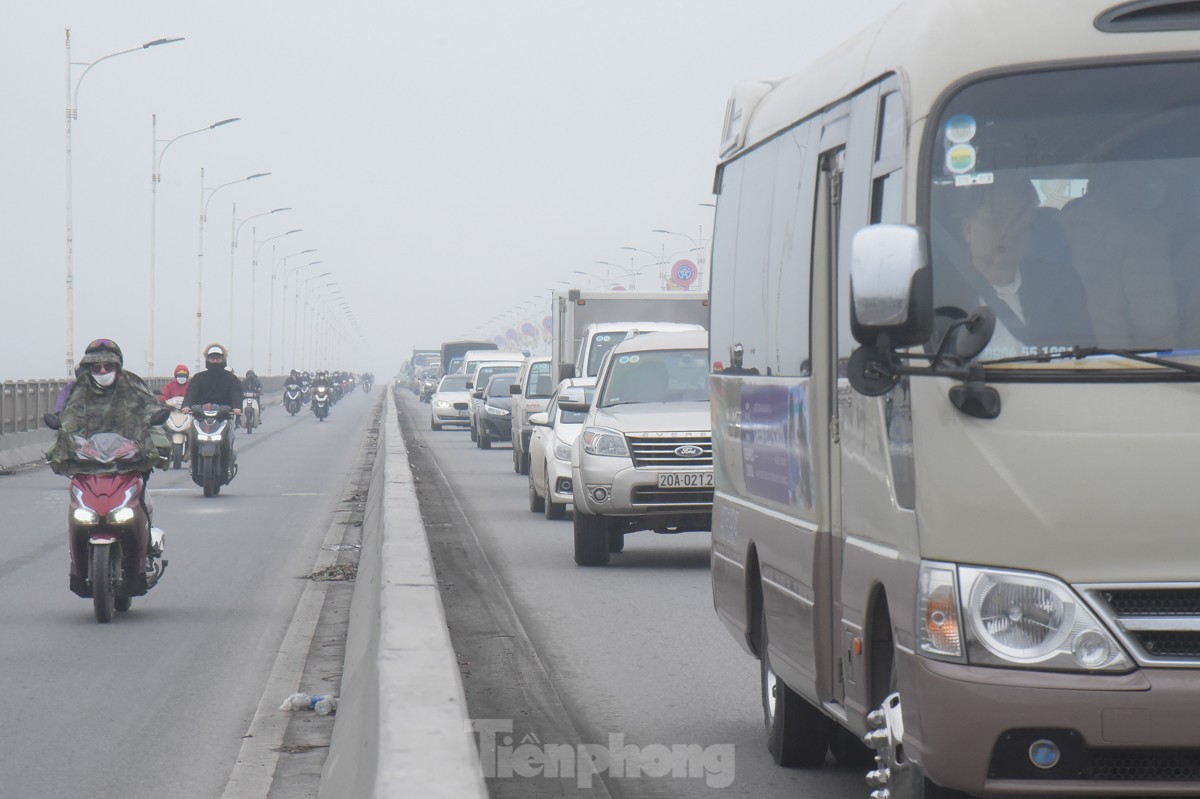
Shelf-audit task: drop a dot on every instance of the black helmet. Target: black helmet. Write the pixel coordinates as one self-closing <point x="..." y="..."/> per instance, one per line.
<point x="102" y="350"/>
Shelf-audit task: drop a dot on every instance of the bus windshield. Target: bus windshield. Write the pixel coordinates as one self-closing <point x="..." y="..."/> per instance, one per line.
<point x="1070" y="205"/>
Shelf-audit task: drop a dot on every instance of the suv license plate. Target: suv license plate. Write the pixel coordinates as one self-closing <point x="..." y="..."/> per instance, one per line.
<point x="685" y="480"/>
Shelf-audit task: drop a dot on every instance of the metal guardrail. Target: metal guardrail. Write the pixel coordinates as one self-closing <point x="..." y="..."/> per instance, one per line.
<point x="23" y="403"/>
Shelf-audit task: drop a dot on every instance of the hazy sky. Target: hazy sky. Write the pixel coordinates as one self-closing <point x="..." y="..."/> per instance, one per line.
<point x="448" y="162"/>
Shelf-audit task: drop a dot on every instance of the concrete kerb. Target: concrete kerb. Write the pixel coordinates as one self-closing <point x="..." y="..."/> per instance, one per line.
<point x="401" y="724"/>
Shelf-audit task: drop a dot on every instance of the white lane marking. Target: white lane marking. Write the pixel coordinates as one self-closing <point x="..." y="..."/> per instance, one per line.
<point x="304" y="494"/>
<point x="255" y="769"/>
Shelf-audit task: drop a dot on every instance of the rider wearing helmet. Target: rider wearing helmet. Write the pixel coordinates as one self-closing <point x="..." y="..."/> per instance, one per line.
<point x="176" y="387"/>
<point x="106" y="398"/>
<point x="214" y="384"/>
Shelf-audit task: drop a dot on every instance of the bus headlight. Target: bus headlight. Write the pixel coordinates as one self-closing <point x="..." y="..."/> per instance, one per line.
<point x="1033" y="620"/>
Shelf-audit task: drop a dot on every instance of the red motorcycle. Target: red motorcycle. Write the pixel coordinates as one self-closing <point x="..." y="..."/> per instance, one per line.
<point x="115" y="552"/>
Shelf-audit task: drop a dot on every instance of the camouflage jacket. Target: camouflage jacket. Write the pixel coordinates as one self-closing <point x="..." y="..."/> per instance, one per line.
<point x="125" y="409"/>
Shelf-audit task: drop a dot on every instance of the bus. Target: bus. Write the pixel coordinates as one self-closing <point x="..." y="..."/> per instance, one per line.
<point x="955" y="380"/>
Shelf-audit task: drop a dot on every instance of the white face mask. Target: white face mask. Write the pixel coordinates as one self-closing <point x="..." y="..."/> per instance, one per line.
<point x="105" y="380"/>
<point x="181" y="380"/>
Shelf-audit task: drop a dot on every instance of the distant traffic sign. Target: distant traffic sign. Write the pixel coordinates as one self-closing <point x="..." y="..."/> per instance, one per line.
<point x="684" y="272"/>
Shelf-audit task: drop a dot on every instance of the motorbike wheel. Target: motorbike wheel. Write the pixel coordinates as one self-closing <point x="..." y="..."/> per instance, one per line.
<point x="106" y="566"/>
<point x="250" y="422"/>
<point x="176" y="455"/>
<point x="208" y="473"/>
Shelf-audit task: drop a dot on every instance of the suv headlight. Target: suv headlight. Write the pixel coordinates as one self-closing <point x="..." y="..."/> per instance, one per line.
<point x="996" y="617"/>
<point x="562" y="451"/>
<point x="602" y="441"/>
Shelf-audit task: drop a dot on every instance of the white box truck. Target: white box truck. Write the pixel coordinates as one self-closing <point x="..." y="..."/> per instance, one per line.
<point x="575" y="310"/>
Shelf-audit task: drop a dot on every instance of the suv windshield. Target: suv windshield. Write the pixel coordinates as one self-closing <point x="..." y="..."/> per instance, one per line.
<point x="487" y="372"/>
<point x="656" y="376"/>
<point x="1071" y="206"/>
<point x="601" y="344"/>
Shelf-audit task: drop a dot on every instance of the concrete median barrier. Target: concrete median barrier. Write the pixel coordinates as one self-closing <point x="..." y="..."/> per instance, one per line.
<point x="401" y="722"/>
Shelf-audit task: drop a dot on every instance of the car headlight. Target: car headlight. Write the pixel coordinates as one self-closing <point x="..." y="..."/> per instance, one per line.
<point x="562" y="451"/>
<point x="442" y="404"/>
<point x="995" y="617"/>
<point x="602" y="441"/>
<point x="494" y="411"/>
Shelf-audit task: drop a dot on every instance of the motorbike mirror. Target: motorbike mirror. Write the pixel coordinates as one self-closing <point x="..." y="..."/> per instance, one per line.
<point x="52" y="421"/>
<point x="160" y="416"/>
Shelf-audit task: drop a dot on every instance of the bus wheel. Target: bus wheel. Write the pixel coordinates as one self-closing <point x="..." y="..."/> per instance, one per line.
<point x="797" y="733"/>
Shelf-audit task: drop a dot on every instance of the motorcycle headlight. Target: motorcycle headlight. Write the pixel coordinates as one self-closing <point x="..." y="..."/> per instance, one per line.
<point x="562" y="451"/>
<point x="602" y="441"/>
<point x="494" y="411"/>
<point x="1013" y="619"/>
<point x="85" y="516"/>
<point x="120" y="516"/>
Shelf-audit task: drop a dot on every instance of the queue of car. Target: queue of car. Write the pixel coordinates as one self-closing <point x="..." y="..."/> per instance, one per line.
<point x="627" y="450"/>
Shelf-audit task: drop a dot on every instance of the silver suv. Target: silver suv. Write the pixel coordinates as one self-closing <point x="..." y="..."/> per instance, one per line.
<point x="643" y="460"/>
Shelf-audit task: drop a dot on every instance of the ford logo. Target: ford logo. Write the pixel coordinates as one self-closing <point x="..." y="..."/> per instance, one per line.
<point x="689" y="451"/>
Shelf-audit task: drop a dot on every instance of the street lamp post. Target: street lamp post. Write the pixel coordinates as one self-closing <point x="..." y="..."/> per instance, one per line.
<point x="200" y="258"/>
<point x="237" y="231"/>
<point x="253" y="270"/>
<point x="296" y="312"/>
<point x="287" y="276"/>
<point x="155" y="177"/>
<point x="275" y="262"/>
<point x="71" y="114"/>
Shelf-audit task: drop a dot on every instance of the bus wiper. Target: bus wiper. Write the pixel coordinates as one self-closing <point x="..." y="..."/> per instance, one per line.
<point x="1079" y="353"/>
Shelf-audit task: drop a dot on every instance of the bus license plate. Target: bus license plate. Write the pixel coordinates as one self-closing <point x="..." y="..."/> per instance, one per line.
<point x="685" y="480"/>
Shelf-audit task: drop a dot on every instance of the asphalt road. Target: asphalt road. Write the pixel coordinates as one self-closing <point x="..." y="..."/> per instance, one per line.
<point x="560" y="655"/>
<point x="157" y="703"/>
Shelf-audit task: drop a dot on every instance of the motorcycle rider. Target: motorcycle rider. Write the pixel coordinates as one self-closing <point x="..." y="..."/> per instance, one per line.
<point x="254" y="386"/>
<point x="178" y="386"/>
<point x="107" y="398"/>
<point x="322" y="380"/>
<point x="216" y="385"/>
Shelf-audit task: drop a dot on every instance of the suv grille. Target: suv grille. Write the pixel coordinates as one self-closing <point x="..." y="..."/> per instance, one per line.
<point x="1159" y="624"/>
<point x="659" y="450"/>
<point x="680" y="498"/>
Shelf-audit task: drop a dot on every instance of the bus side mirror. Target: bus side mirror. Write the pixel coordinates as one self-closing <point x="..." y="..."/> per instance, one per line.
<point x="891" y="287"/>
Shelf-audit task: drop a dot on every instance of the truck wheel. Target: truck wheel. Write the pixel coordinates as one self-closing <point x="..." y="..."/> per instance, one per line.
<point x="797" y="733"/>
<point x="591" y="539"/>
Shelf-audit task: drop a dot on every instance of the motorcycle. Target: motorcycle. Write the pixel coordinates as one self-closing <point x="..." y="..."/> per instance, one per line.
<point x="178" y="426"/>
<point x="321" y="400"/>
<point x="116" y="554"/>
<point x="214" y="463"/>
<point x="250" y="411"/>
<point x="292" y="401"/>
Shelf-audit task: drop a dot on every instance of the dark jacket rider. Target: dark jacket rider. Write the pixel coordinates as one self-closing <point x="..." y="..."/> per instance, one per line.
<point x="214" y="384"/>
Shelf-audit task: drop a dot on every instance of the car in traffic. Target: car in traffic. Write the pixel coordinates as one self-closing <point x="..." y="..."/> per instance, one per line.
<point x="553" y="435"/>
<point x="450" y="403"/>
<point x="643" y="460"/>
<point x="495" y="415"/>
<point x="532" y="392"/>
<point x="478" y="382"/>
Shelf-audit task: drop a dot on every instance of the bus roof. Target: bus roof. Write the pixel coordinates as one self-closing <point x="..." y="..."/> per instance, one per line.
<point x="931" y="44"/>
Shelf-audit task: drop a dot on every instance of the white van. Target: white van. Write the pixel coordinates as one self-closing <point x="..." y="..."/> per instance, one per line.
<point x="955" y="346"/>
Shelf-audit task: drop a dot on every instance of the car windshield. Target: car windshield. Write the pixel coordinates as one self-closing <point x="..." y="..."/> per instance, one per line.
<point x="1071" y="207"/>
<point x="499" y="386"/>
<point x="486" y="373"/>
<point x="656" y="376"/>
<point x="453" y="383"/>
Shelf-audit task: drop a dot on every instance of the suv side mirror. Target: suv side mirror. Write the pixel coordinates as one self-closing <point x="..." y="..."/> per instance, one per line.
<point x="514" y="389"/>
<point x="573" y="399"/>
